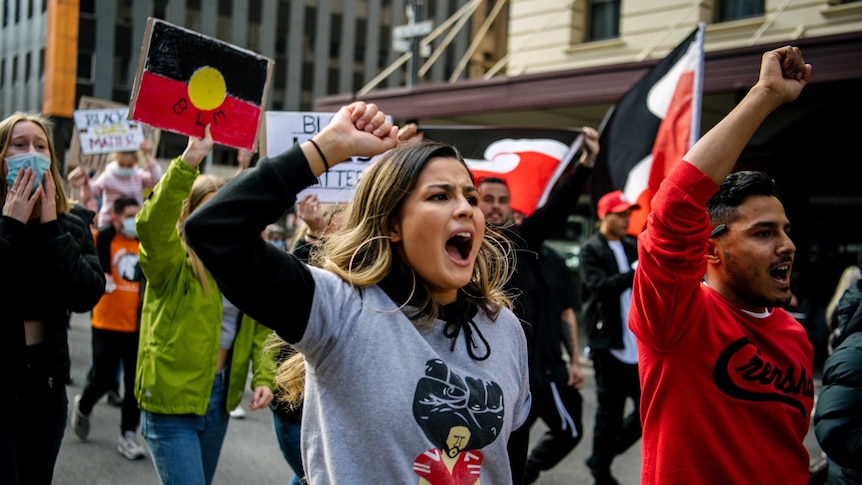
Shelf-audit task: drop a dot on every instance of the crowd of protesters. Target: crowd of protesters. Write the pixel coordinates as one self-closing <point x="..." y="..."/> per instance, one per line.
<point x="420" y="313"/>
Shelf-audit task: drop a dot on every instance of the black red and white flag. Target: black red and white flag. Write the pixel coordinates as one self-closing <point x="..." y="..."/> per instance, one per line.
<point x="650" y="129"/>
<point x="530" y="160"/>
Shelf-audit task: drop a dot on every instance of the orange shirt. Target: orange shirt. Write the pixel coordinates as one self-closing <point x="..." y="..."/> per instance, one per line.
<point x="118" y="310"/>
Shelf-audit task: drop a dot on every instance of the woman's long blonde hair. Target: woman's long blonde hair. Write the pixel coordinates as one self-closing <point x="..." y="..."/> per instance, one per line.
<point x="361" y="253"/>
<point x="202" y="186"/>
<point x="6" y="127"/>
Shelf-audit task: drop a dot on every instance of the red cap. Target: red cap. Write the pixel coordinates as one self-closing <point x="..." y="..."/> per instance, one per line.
<point x="614" y="202"/>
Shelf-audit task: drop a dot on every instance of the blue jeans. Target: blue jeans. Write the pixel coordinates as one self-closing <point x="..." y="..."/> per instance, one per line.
<point x="186" y="447"/>
<point x="287" y="433"/>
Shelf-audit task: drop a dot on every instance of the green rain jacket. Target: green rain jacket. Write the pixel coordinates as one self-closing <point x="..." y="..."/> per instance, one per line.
<point x="180" y="322"/>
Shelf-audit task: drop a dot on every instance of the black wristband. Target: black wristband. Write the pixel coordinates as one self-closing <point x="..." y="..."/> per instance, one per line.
<point x="322" y="156"/>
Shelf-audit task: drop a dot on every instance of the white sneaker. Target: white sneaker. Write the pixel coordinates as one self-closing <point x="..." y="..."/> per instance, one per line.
<point x="238" y="413"/>
<point x="128" y="446"/>
<point x="80" y="421"/>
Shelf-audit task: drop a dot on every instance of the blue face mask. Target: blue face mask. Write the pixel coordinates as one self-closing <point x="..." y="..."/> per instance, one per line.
<point x="129" y="227"/>
<point x="38" y="162"/>
<point x="124" y="173"/>
<point x="277" y="243"/>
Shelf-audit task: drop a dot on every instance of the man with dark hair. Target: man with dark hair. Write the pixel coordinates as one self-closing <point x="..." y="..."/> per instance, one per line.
<point x="608" y="261"/>
<point x="726" y="372"/>
<point x="554" y="383"/>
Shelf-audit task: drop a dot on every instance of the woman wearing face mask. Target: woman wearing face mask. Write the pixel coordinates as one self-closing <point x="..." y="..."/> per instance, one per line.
<point x="50" y="269"/>
<point x="121" y="178"/>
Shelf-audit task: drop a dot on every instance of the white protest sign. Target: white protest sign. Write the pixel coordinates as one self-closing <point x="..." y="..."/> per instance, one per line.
<point x="107" y="130"/>
<point x="284" y="129"/>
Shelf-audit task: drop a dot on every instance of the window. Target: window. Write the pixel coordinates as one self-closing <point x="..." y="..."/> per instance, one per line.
<point x="160" y="9"/>
<point x="14" y="70"/>
<point x="2" y="73"/>
<point x="603" y="20"/>
<point x="728" y="10"/>
<point x="27" y="63"/>
<point x="85" y="66"/>
<point x="87" y="6"/>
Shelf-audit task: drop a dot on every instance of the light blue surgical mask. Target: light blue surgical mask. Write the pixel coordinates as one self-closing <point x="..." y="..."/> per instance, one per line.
<point x="124" y="173"/>
<point x="277" y="243"/>
<point x="129" y="227"/>
<point x="38" y="162"/>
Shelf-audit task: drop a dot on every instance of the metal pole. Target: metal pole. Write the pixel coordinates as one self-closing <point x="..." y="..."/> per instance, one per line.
<point x="413" y="12"/>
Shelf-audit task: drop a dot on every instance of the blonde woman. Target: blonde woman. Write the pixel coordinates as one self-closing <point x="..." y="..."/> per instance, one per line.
<point x="195" y="348"/>
<point x="50" y="269"/>
<point x="416" y="366"/>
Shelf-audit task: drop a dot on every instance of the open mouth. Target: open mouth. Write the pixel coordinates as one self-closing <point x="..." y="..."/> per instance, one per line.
<point x="460" y="245"/>
<point x="781" y="273"/>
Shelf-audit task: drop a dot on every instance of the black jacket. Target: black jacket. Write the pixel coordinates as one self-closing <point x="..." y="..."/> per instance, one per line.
<point x="49" y="271"/>
<point x="838" y="412"/>
<point x="604" y="283"/>
<point x="534" y="283"/>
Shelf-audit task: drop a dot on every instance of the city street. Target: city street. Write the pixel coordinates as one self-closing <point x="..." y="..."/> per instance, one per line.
<point x="251" y="454"/>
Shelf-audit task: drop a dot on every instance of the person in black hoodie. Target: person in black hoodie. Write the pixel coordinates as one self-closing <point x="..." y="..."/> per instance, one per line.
<point x="554" y="383"/>
<point x="838" y="411"/>
<point x="50" y="269"/>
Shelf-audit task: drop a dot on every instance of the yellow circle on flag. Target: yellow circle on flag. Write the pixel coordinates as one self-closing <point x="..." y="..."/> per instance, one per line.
<point x="207" y="89"/>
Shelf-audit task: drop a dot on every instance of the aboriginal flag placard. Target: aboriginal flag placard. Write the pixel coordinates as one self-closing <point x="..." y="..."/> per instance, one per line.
<point x="186" y="80"/>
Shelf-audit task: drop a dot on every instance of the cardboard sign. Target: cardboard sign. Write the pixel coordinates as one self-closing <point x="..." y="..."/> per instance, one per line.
<point x="285" y="129"/>
<point x="98" y="161"/>
<point x="531" y="160"/>
<point x="186" y="80"/>
<point x="107" y="131"/>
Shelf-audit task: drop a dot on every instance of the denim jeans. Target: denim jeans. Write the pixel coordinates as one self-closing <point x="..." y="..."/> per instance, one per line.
<point x="185" y="447"/>
<point x="287" y="433"/>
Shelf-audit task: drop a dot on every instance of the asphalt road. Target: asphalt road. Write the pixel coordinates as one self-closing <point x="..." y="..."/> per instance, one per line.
<point x="251" y="454"/>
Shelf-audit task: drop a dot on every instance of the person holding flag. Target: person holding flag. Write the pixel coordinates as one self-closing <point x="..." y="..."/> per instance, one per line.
<point x="554" y="383"/>
<point x="726" y="373"/>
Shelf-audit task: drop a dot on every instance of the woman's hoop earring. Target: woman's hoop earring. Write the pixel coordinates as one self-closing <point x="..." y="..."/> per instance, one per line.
<point x="350" y="277"/>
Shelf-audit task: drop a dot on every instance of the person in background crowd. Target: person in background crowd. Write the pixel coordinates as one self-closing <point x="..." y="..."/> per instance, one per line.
<point x="720" y="350"/>
<point x="275" y="234"/>
<point x="838" y="414"/>
<point x="554" y="383"/>
<point x="50" y="269"/>
<point x="406" y="313"/>
<point x="195" y="347"/>
<point x="115" y="323"/>
<point x="121" y="177"/>
<point x="608" y="262"/>
<point x="849" y="277"/>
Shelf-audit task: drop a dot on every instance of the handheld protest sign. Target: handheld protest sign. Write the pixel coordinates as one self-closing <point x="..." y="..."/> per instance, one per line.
<point x="186" y="80"/>
<point x="107" y="131"/>
<point x="96" y="161"/>
<point x="288" y="128"/>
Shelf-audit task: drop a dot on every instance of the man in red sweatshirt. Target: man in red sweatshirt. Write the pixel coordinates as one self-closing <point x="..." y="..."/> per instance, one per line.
<point x="726" y="374"/>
